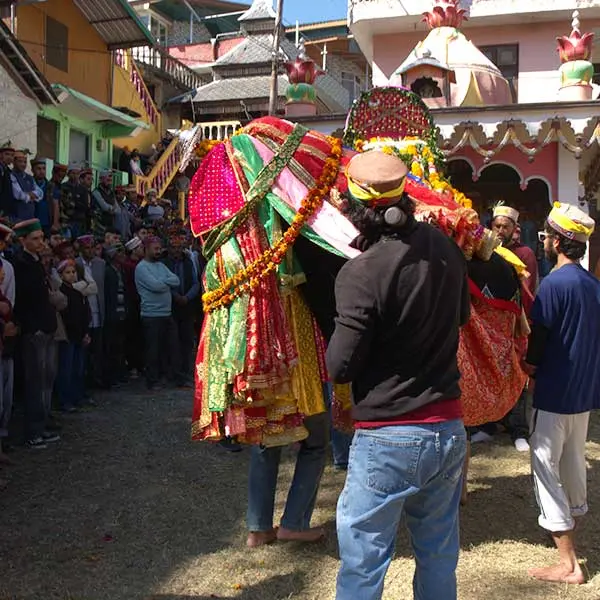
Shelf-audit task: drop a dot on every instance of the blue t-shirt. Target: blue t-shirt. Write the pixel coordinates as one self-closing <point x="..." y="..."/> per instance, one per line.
<point x="568" y="376"/>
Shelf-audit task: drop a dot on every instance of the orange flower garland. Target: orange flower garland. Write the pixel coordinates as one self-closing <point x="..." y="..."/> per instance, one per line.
<point x="249" y="278"/>
<point x="205" y="146"/>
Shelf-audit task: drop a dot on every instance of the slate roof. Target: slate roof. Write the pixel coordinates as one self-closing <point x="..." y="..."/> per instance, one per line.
<point x="256" y="49"/>
<point x="260" y="10"/>
<point x="239" y="88"/>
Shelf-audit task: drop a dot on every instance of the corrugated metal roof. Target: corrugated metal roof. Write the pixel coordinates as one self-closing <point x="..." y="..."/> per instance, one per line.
<point x="260" y="10"/>
<point x="116" y="22"/>
<point x="237" y="88"/>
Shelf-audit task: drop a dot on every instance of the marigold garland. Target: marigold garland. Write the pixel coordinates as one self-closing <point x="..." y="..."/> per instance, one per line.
<point x="421" y="160"/>
<point x="248" y="279"/>
<point x="205" y="146"/>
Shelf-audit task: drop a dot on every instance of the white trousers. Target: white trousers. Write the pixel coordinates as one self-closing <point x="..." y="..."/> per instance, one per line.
<point x="558" y="465"/>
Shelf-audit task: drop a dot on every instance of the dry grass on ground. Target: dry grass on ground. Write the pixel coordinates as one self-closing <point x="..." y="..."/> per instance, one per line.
<point x="126" y="508"/>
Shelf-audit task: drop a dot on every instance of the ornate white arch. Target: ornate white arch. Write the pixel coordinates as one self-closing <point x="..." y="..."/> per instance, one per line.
<point x="522" y="181"/>
<point x="467" y="160"/>
<point x="548" y="185"/>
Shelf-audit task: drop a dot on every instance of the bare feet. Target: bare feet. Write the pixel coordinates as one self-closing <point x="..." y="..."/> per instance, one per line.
<point x="314" y="534"/>
<point x="560" y="573"/>
<point x="261" y="538"/>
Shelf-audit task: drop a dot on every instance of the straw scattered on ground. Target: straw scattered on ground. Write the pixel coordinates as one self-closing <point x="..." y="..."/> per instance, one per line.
<point x="127" y="508"/>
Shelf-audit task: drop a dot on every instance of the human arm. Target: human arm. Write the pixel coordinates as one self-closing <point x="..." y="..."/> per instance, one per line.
<point x="18" y="193"/>
<point x="147" y="280"/>
<point x="170" y="278"/>
<point x="354" y="325"/>
<point x="544" y="313"/>
<point x="102" y="204"/>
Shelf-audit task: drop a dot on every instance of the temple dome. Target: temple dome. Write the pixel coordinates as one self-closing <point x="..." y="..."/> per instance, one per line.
<point x="475" y="81"/>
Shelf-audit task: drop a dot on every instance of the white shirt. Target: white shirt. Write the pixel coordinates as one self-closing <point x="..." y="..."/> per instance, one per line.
<point x="8" y="285"/>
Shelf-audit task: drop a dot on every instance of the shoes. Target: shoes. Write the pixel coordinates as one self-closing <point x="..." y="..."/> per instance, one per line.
<point x="340" y="467"/>
<point x="50" y="437"/>
<point x="481" y="437"/>
<point x="36" y="443"/>
<point x="522" y="445"/>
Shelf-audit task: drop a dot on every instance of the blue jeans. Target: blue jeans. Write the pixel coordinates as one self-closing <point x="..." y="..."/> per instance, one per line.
<point x="302" y="495"/>
<point x="412" y="468"/>
<point x="71" y="369"/>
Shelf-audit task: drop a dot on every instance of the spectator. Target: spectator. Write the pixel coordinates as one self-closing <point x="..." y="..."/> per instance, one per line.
<point x="76" y="320"/>
<point x="153" y="211"/>
<point x="7" y="200"/>
<point x="184" y="297"/>
<point x="94" y="269"/>
<point x="154" y="282"/>
<point x="134" y="344"/>
<point x="124" y="161"/>
<point x="25" y="191"/>
<point x="37" y="319"/>
<point x="114" y="298"/>
<point x="104" y="204"/>
<point x="8" y="333"/>
<point x="74" y="204"/>
<point x="136" y="164"/>
<point x="44" y="209"/>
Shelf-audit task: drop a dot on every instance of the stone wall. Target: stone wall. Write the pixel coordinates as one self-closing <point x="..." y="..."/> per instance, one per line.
<point x="179" y="33"/>
<point x="18" y="114"/>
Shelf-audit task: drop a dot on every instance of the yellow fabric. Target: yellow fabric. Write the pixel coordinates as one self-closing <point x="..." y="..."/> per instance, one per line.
<point x="513" y="259"/>
<point x="307" y="387"/>
<point x="368" y="194"/>
<point x="567" y="224"/>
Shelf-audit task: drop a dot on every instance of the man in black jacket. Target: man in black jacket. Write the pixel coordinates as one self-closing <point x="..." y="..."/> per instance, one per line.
<point x="36" y="317"/>
<point x="400" y="305"/>
<point x="183" y="302"/>
<point x="7" y="199"/>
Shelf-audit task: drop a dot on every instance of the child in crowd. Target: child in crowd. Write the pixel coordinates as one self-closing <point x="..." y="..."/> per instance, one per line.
<point x="76" y="319"/>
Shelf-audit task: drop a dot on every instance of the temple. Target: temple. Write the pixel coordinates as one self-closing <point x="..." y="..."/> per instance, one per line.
<point x="516" y="121"/>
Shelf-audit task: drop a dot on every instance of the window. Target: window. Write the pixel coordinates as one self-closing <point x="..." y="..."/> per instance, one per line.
<point x="47" y="137"/>
<point x="426" y="88"/>
<point x="57" y="44"/>
<point x="79" y="147"/>
<point x="351" y="82"/>
<point x="159" y="30"/>
<point x="506" y="58"/>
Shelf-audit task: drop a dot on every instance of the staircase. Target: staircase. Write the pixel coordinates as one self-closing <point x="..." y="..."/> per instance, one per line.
<point x="163" y="64"/>
<point x="163" y="171"/>
<point x="124" y="59"/>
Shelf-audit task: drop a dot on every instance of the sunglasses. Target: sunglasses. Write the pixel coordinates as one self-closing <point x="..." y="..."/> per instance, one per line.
<point x="542" y="235"/>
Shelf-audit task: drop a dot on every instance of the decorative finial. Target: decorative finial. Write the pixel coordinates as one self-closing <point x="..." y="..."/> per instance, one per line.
<point x="445" y="13"/>
<point x="577" y="46"/>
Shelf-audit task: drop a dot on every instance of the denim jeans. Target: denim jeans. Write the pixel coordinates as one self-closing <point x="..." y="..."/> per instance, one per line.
<point x="71" y="374"/>
<point x="415" y="469"/>
<point x="302" y="495"/>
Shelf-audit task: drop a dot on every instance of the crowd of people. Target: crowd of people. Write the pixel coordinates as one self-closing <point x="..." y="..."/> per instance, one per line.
<point x="97" y="286"/>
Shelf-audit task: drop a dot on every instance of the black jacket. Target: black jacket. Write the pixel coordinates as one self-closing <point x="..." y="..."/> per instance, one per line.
<point x="33" y="309"/>
<point x="400" y="305"/>
<point x="76" y="317"/>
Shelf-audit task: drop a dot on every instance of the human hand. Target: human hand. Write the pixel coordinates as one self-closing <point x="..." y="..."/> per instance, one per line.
<point x="10" y="329"/>
<point x="87" y="340"/>
<point x="4" y="308"/>
<point x="32" y="196"/>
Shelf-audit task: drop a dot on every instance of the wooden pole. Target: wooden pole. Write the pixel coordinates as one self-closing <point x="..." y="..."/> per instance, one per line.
<point x="273" y="95"/>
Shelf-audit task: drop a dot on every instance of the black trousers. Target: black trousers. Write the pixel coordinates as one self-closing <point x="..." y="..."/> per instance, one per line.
<point x="95" y="367"/>
<point x="184" y="322"/>
<point x="114" y="351"/>
<point x="134" y="341"/>
<point x="162" y="348"/>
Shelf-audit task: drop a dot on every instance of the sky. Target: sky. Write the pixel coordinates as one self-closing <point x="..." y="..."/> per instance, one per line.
<point x="308" y="11"/>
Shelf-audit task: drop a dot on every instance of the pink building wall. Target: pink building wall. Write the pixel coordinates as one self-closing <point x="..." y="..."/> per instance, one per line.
<point x="538" y="59"/>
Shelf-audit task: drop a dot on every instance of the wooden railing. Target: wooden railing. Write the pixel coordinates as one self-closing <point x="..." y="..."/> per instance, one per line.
<point x="181" y="74"/>
<point x="219" y="130"/>
<point x="124" y="59"/>
<point x="163" y="172"/>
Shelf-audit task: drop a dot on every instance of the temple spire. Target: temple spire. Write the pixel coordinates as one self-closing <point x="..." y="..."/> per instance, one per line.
<point x="577" y="46"/>
<point x="445" y="13"/>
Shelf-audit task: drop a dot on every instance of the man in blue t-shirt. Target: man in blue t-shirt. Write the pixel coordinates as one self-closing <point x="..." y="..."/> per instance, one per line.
<point x="564" y="358"/>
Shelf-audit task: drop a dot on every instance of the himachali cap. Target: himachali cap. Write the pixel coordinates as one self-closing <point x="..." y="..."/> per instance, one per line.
<point x="74" y="167"/>
<point x="59" y="167"/>
<point x="21" y="153"/>
<point x="106" y="173"/>
<point x="7" y="147"/>
<point x="5" y="231"/>
<point x="151" y="191"/>
<point x="572" y="222"/>
<point x="69" y="262"/>
<point x="501" y="210"/>
<point x="86" y="240"/>
<point x="152" y="239"/>
<point x="26" y="227"/>
<point x="376" y="178"/>
<point x="133" y="243"/>
<point x="86" y="171"/>
<point x="38" y="160"/>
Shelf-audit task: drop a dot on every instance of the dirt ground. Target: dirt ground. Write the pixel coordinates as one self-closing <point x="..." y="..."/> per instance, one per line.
<point x="127" y="508"/>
